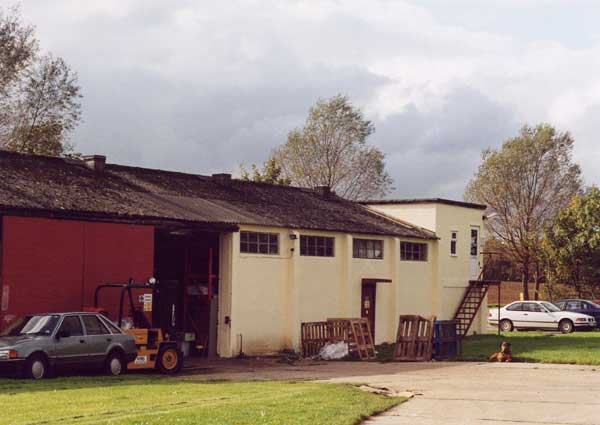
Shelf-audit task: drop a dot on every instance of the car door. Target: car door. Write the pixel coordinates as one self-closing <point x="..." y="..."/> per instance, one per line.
<point x="98" y="339"/>
<point x="528" y="319"/>
<point x="70" y="346"/>
<point x="540" y="317"/>
<point x="575" y="306"/>
<point x="591" y="310"/>
<point x="514" y="313"/>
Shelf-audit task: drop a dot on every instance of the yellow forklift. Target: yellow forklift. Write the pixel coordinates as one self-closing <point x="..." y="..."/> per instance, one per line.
<point x="157" y="348"/>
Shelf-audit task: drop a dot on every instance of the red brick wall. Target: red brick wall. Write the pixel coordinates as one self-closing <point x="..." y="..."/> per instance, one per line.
<point x="510" y="292"/>
<point x="55" y="265"/>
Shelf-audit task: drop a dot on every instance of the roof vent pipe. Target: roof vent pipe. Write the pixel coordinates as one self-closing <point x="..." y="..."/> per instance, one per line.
<point x="94" y="162"/>
<point x="222" y="178"/>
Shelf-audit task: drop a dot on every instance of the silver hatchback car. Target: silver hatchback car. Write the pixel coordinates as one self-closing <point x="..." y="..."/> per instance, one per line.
<point x="38" y="345"/>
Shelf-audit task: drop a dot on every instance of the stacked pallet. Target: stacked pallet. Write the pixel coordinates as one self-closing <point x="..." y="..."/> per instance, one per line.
<point x="356" y="332"/>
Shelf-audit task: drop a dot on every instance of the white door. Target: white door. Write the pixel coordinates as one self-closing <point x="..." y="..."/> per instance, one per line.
<point x="474" y="252"/>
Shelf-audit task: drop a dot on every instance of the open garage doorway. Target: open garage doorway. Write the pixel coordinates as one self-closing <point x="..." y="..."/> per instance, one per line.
<point x="187" y="268"/>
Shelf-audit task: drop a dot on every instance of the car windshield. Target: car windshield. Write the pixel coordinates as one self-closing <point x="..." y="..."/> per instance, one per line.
<point x="593" y="304"/>
<point x="32" y="325"/>
<point x="551" y="307"/>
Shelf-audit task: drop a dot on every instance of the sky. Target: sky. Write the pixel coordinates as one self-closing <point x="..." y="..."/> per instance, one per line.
<point x="201" y="86"/>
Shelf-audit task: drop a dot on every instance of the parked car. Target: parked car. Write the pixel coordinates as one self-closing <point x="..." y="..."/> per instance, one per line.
<point x="581" y="306"/>
<point x="38" y="345"/>
<point x="539" y="315"/>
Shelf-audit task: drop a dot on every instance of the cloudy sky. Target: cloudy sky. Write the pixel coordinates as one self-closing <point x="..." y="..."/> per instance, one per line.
<point x="202" y="86"/>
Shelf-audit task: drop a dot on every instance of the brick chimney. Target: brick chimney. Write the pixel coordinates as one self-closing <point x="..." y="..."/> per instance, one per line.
<point x="222" y="178"/>
<point x="94" y="162"/>
<point x="323" y="191"/>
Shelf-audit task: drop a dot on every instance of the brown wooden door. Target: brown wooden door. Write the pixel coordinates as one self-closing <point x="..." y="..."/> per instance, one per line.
<point x="368" y="305"/>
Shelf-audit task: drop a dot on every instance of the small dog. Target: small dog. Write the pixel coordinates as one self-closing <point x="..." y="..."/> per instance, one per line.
<point x="504" y="355"/>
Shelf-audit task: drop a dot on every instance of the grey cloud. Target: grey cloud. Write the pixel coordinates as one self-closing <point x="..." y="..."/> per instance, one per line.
<point x="435" y="152"/>
<point x="141" y="119"/>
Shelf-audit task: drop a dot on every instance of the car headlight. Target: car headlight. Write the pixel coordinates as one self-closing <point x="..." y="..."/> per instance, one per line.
<point x="581" y="319"/>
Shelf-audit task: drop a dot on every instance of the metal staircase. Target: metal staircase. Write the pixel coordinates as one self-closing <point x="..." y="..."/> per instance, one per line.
<point x="471" y="302"/>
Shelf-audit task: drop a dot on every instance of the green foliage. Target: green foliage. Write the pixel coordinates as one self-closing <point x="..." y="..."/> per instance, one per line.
<point x="524" y="184"/>
<point x="572" y="245"/>
<point x="271" y="173"/>
<point x="331" y="150"/>
<point x="156" y="400"/>
<point x="537" y="347"/>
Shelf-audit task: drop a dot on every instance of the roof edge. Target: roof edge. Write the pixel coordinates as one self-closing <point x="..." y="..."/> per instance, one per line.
<point x="431" y="235"/>
<point x="425" y="201"/>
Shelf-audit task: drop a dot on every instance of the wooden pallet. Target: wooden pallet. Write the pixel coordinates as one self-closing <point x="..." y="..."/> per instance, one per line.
<point x="356" y="332"/>
<point x="414" y="340"/>
<point x="361" y="331"/>
<point x="314" y="336"/>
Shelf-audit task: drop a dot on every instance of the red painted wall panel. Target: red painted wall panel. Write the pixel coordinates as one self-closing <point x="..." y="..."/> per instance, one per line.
<point x="113" y="254"/>
<point x="42" y="265"/>
<point x="55" y="265"/>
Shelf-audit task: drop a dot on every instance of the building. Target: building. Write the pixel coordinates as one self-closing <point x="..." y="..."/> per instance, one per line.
<point x="246" y="263"/>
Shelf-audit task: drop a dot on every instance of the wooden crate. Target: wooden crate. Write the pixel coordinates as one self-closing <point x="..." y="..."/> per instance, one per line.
<point x="414" y="340"/>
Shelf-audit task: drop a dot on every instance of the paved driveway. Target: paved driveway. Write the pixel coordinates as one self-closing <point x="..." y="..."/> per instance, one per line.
<point x="492" y="394"/>
<point x="444" y="392"/>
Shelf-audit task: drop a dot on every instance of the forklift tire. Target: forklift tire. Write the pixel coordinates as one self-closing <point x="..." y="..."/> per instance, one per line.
<point x="170" y="360"/>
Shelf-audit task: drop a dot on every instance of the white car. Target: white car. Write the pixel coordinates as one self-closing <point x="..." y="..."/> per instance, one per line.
<point x="539" y="315"/>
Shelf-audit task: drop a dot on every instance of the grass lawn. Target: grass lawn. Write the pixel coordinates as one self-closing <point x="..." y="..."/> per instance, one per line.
<point x="538" y="347"/>
<point x="160" y="400"/>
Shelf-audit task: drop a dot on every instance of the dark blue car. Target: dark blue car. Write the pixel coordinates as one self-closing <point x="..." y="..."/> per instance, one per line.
<point x="581" y="306"/>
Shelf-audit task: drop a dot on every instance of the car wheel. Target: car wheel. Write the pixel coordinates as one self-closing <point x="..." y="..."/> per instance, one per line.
<point x="566" y="326"/>
<point x="36" y="367"/>
<point x="115" y="364"/>
<point x="170" y="360"/>
<point x="506" y="325"/>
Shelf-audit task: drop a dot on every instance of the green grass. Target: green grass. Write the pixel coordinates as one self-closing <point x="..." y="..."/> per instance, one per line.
<point x="537" y="347"/>
<point x="158" y="400"/>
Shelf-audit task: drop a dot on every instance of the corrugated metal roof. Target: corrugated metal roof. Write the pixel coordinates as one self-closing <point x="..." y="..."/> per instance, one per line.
<point x="40" y="183"/>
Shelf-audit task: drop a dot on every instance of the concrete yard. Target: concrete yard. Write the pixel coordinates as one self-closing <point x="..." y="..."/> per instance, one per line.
<point x="447" y="393"/>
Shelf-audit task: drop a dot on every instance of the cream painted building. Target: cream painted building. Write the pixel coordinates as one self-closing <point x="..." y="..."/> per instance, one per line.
<point x="266" y="297"/>
<point x="241" y="264"/>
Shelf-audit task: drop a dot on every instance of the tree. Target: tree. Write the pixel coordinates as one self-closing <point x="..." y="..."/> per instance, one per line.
<point x="271" y="173"/>
<point x="46" y="110"/>
<point x="572" y="245"/>
<point x="18" y="47"/>
<point x="331" y="150"/>
<point x="525" y="184"/>
<point x="39" y="95"/>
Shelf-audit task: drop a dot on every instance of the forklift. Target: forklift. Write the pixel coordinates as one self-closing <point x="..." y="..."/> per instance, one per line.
<point x="158" y="347"/>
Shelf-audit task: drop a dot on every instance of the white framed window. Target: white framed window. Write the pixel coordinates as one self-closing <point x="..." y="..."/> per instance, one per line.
<point x="367" y="248"/>
<point x="316" y="246"/>
<point x="259" y="243"/>
<point x="411" y="251"/>
<point x="453" y="242"/>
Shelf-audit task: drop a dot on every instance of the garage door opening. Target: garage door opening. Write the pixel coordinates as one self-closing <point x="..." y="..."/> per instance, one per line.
<point x="187" y="267"/>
